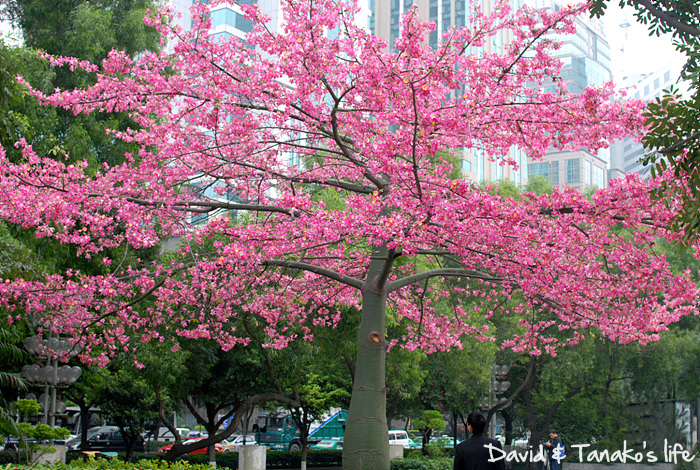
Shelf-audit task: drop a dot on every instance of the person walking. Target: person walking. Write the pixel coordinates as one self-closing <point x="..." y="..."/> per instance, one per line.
<point x="477" y="452"/>
<point x="555" y="450"/>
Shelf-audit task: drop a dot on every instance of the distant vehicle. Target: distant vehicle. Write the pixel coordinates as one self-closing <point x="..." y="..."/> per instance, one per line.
<point x="218" y="447"/>
<point x="328" y="444"/>
<point x="193" y="434"/>
<point x="234" y="443"/>
<point x="399" y="436"/>
<point x="281" y="433"/>
<point x="74" y="443"/>
<point x="165" y="435"/>
<point x="13" y="443"/>
<point x="106" y="439"/>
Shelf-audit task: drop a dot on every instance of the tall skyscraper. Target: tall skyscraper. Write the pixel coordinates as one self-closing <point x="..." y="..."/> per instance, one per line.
<point x="384" y="22"/>
<point x="585" y="58"/>
<point x="627" y="153"/>
<point x="385" y="16"/>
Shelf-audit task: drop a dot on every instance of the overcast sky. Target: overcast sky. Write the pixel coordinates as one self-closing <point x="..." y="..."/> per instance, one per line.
<point x="632" y="50"/>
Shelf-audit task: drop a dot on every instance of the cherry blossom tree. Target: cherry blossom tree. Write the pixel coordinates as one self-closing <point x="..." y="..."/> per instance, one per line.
<point x="316" y="152"/>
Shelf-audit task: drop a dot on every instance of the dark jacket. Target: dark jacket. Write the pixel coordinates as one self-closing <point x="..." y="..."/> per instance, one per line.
<point x="474" y="454"/>
<point x="555" y="442"/>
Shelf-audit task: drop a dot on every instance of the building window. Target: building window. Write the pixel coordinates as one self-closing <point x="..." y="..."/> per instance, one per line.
<point x="587" y="173"/>
<point x="573" y="171"/>
<point x="395" y="17"/>
<point x="466" y="165"/>
<point x="656" y="83"/>
<point x="599" y="177"/>
<point x="226" y="16"/>
<point x="667" y="76"/>
<point x="646" y="90"/>
<point x="548" y="170"/>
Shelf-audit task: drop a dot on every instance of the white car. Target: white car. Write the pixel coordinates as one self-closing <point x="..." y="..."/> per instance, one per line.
<point x="235" y="442"/>
<point x="399" y="436"/>
<point x="164" y="434"/>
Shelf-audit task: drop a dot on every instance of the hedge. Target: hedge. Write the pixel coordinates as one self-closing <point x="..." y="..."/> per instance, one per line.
<point x="434" y="463"/>
<point x="275" y="460"/>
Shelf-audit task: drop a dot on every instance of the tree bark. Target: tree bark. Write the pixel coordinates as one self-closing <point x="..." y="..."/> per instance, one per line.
<point x="509" y="426"/>
<point x="366" y="443"/>
<point x="84" y="423"/>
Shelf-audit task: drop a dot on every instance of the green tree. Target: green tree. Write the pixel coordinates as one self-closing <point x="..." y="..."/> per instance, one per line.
<point x="126" y="398"/>
<point x="317" y="395"/>
<point x="10" y="353"/>
<point x="538" y="184"/>
<point x="216" y="385"/>
<point x="454" y="382"/>
<point x="429" y="421"/>
<point x="84" y="29"/>
<point x="12" y="123"/>
<point x="405" y="376"/>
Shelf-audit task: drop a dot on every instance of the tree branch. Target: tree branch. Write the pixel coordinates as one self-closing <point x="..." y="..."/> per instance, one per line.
<point x="679" y="145"/>
<point x="669" y="20"/>
<point x="180" y="449"/>
<point x="450" y="272"/>
<point x="327" y="273"/>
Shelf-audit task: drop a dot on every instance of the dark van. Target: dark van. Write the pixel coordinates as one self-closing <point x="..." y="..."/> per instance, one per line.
<point x="108" y="439"/>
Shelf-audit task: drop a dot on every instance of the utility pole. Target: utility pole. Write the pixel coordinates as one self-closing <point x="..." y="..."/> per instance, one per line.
<point x="497" y="386"/>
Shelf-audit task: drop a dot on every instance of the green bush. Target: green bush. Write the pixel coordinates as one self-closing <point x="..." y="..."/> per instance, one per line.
<point x="317" y="458"/>
<point x="42" y="432"/>
<point x="118" y="464"/>
<point x="423" y="463"/>
<point x="281" y="460"/>
<point x="12" y="457"/>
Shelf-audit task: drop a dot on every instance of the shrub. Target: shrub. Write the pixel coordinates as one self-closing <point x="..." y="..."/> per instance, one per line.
<point x="118" y="464"/>
<point x="11" y="457"/>
<point x="422" y="463"/>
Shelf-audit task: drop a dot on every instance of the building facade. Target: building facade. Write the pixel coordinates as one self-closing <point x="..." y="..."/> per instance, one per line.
<point x="626" y="154"/>
<point x="384" y="21"/>
<point x="585" y="58"/>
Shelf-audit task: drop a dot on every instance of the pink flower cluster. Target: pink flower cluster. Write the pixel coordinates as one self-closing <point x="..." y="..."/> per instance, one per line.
<point x="367" y="125"/>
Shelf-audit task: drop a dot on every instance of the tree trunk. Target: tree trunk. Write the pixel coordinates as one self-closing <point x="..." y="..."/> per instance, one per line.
<point x="84" y="423"/>
<point x="508" y="419"/>
<point x="366" y="443"/>
<point x="304" y="437"/>
<point x="211" y="452"/>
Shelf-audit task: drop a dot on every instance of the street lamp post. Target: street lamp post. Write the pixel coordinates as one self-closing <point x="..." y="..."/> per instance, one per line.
<point x="497" y="386"/>
<point x="51" y="375"/>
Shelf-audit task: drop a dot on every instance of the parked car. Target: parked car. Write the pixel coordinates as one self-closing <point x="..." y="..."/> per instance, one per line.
<point x="234" y="443"/>
<point x="13" y="443"/>
<point x="328" y="444"/>
<point x="74" y="443"/>
<point x="399" y="436"/>
<point x="218" y="447"/>
<point x="165" y="435"/>
<point x="106" y="439"/>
